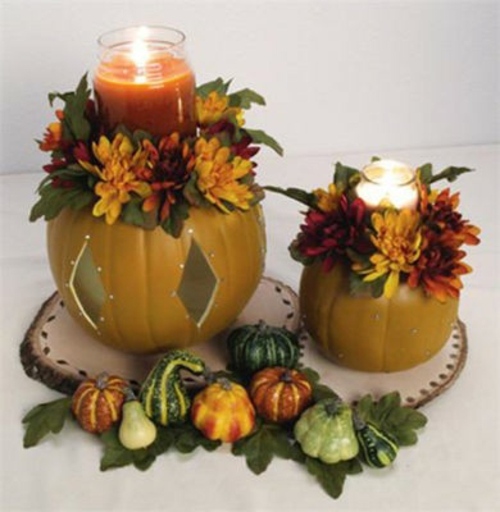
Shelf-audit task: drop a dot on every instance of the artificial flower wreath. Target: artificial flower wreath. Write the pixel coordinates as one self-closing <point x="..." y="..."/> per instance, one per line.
<point x="149" y="181"/>
<point x="387" y="246"/>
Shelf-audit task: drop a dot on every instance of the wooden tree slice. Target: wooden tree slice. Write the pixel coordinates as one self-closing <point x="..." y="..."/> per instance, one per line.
<point x="58" y="353"/>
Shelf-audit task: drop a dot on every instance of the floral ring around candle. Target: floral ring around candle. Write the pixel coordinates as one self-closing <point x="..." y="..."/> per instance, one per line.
<point x="380" y="286"/>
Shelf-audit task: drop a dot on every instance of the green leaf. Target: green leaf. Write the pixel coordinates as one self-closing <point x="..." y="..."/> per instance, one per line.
<point x="188" y="438"/>
<point x="132" y="213"/>
<point x="297" y="254"/>
<point x="75" y="123"/>
<point x="425" y="173"/>
<point x="218" y="85"/>
<point x="319" y="391"/>
<point x="297" y="194"/>
<point x="245" y="98"/>
<point x="260" y="447"/>
<point x="117" y="456"/>
<point x="173" y="225"/>
<point x="44" y="419"/>
<point x="450" y="173"/>
<point x="389" y="415"/>
<point x="191" y="192"/>
<point x="261" y="137"/>
<point x="331" y="477"/>
<point x="54" y="199"/>
<point x="344" y="176"/>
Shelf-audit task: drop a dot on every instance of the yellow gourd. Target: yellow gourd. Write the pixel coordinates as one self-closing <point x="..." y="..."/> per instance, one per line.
<point x="136" y="429"/>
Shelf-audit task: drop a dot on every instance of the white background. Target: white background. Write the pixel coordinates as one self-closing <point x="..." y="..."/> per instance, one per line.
<point x="338" y="76"/>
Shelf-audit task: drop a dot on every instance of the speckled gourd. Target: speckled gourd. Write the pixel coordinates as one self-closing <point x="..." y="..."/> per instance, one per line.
<point x="163" y="394"/>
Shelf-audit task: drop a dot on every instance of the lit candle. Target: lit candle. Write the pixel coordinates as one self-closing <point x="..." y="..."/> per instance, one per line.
<point x="387" y="182"/>
<point x="144" y="81"/>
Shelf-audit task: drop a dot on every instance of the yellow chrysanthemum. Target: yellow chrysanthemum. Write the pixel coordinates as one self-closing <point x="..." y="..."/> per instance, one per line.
<point x="398" y="241"/>
<point x="120" y="163"/>
<point x="327" y="200"/>
<point x="218" y="176"/>
<point x="214" y="107"/>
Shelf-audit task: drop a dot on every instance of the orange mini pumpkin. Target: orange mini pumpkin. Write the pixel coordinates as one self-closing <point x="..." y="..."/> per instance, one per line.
<point x="97" y="403"/>
<point x="280" y="394"/>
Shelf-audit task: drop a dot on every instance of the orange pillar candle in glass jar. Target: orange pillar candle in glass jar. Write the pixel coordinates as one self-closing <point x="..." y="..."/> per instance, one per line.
<point x="144" y="81"/>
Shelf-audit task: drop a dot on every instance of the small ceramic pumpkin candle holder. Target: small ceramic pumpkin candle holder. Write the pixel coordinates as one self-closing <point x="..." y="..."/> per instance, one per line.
<point x="379" y="290"/>
<point x="155" y="236"/>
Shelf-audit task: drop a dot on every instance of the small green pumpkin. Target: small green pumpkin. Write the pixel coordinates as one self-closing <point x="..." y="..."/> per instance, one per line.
<point x="163" y="395"/>
<point x="377" y="448"/>
<point x="253" y="347"/>
<point x="325" y="431"/>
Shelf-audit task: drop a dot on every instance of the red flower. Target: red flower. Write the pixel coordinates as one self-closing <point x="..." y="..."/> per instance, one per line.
<point x="170" y="172"/>
<point x="440" y="265"/>
<point x="439" y="268"/>
<point x="330" y="235"/>
<point x="440" y="215"/>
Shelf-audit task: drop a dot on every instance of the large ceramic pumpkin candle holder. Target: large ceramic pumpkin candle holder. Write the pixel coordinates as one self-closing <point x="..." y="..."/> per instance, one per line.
<point x="382" y="264"/>
<point x="155" y="235"/>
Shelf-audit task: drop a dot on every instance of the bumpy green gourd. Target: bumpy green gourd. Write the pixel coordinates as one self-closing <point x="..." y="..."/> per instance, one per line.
<point x="163" y="395"/>
<point x="378" y="448"/>
<point x="253" y="347"/>
<point x="326" y="431"/>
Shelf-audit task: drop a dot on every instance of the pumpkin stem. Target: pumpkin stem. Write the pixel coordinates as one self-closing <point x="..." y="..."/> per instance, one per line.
<point x="332" y="406"/>
<point x="286" y="376"/>
<point x="358" y="422"/>
<point x="209" y="376"/>
<point x="225" y="383"/>
<point x="101" y="381"/>
<point x="129" y="394"/>
<point x="262" y="326"/>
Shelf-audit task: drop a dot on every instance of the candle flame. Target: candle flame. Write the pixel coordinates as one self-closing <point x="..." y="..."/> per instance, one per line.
<point x="140" y="54"/>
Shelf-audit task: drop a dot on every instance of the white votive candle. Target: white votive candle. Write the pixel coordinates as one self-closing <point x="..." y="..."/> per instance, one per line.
<point x="388" y="182"/>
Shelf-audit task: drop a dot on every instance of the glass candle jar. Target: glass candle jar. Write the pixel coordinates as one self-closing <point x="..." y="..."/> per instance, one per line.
<point x="388" y="183"/>
<point x="144" y="81"/>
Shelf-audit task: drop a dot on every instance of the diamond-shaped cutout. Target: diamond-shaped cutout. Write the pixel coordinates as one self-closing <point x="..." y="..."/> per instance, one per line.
<point x="198" y="284"/>
<point x="86" y="286"/>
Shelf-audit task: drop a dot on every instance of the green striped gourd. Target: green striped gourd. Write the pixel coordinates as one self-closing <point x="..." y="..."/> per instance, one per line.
<point x="377" y="448"/>
<point x="163" y="395"/>
<point x="253" y="347"/>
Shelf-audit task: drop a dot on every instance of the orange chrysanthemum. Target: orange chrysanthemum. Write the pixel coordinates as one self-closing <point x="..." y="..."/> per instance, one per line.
<point x="53" y="134"/>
